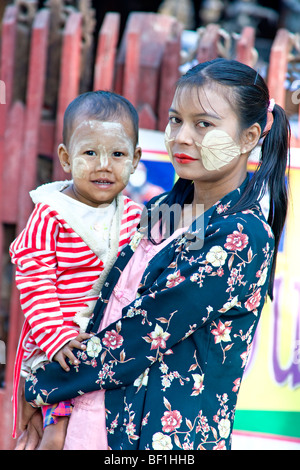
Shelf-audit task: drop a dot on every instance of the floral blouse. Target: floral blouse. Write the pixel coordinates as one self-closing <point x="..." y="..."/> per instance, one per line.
<point x="173" y="365"/>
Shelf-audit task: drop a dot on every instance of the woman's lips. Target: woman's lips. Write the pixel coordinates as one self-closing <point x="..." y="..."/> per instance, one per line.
<point x="183" y="158"/>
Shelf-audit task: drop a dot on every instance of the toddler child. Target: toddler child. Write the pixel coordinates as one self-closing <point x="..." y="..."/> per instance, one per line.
<point x="73" y="237"/>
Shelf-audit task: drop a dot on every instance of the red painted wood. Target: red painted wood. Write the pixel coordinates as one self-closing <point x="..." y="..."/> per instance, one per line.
<point x="69" y="81"/>
<point x="208" y="49"/>
<point x="278" y="65"/>
<point x="169" y="73"/>
<point x="34" y="103"/>
<point x="245" y="45"/>
<point x="13" y="163"/>
<point x="106" y="52"/>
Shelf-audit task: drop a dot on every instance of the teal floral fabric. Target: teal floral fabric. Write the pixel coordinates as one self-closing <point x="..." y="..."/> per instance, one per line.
<point x="173" y="364"/>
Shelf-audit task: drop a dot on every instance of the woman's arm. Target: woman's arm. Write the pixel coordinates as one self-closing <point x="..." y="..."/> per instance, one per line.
<point x="195" y="288"/>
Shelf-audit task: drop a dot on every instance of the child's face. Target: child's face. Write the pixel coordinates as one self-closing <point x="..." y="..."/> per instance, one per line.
<point x="101" y="157"/>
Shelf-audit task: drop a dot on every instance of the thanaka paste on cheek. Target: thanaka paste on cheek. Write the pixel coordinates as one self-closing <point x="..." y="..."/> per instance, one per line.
<point x="217" y="149"/>
<point x="79" y="167"/>
<point x="127" y="170"/>
<point x="168" y="139"/>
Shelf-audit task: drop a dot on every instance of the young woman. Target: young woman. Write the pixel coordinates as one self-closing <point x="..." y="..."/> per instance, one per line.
<point x="185" y="306"/>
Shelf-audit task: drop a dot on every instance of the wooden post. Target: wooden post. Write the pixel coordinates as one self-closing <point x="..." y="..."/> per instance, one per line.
<point x="14" y="163"/>
<point x="208" y="46"/>
<point x="8" y="42"/>
<point x="132" y="59"/>
<point x="106" y="52"/>
<point x="169" y="74"/>
<point x="278" y="66"/>
<point x="69" y="81"/>
<point x="34" y="103"/>
<point x="245" y="46"/>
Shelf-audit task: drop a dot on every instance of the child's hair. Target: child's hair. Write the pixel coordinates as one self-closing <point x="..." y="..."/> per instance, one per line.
<point x="250" y="99"/>
<point x="100" y="105"/>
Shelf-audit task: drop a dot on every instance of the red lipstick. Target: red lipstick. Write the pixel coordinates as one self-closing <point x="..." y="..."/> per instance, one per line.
<point x="183" y="158"/>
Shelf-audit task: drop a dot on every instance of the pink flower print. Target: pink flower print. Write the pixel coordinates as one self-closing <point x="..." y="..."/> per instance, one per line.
<point x="174" y="279"/>
<point x="237" y="384"/>
<point x="236" y="241"/>
<point x="112" y="339"/>
<point x="158" y="337"/>
<point x="253" y="302"/>
<point x="220" y="446"/>
<point x="171" y="420"/>
<point x="222" y="332"/>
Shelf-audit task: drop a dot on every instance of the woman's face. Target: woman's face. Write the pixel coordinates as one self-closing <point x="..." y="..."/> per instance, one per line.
<point x="203" y="136"/>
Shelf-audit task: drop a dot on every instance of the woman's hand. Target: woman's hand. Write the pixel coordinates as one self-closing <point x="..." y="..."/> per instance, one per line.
<point x="32" y="435"/>
<point x="30" y="423"/>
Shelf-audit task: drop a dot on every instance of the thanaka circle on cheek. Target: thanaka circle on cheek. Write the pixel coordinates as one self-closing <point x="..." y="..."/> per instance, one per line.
<point x="217" y="149"/>
<point x="127" y="171"/>
<point x="79" y="167"/>
<point x="168" y="139"/>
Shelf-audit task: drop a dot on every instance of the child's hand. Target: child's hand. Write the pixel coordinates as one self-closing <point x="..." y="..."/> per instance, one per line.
<point x="66" y="351"/>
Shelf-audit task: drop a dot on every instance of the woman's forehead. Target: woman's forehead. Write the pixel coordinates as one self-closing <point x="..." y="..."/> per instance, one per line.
<point x="210" y="98"/>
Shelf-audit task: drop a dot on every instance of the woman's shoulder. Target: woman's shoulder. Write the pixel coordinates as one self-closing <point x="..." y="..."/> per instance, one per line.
<point x="250" y="221"/>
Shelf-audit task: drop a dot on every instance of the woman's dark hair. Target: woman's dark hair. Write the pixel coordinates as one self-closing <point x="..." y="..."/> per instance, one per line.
<point x="101" y="105"/>
<point x="250" y="100"/>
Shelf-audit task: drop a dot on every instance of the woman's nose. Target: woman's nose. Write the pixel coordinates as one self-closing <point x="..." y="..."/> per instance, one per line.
<point x="184" y="135"/>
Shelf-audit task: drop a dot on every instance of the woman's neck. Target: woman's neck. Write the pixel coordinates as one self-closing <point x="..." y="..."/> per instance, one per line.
<point x="209" y="192"/>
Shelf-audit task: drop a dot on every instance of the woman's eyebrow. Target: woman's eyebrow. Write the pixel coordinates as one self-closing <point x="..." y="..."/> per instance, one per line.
<point x="198" y="115"/>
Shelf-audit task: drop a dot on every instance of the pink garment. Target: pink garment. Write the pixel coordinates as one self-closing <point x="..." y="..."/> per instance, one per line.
<point x="89" y="409"/>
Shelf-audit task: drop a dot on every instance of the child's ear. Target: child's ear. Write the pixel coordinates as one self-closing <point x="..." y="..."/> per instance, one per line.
<point x="136" y="158"/>
<point x="64" y="158"/>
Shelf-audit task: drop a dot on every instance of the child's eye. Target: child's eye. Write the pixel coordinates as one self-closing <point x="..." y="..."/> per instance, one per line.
<point x="90" y="153"/>
<point x="174" y="120"/>
<point x="118" y="154"/>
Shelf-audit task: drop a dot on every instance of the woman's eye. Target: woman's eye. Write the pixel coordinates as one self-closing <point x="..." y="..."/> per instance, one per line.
<point x="204" y="124"/>
<point x="174" y="120"/>
<point x="90" y="153"/>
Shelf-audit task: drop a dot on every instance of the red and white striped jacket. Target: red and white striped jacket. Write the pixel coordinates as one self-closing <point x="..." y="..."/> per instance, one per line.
<point x="59" y="275"/>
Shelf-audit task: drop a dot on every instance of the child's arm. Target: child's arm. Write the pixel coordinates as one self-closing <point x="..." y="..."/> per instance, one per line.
<point x="35" y="257"/>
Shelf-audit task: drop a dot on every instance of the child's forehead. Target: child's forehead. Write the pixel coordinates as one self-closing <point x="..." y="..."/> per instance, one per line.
<point x="97" y="131"/>
<point x="92" y="125"/>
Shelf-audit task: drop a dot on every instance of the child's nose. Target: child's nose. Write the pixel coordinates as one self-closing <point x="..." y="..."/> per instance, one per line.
<point x="104" y="161"/>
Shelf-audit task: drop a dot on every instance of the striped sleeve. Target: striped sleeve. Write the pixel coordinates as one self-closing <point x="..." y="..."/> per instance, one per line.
<point x="130" y="220"/>
<point x="34" y="254"/>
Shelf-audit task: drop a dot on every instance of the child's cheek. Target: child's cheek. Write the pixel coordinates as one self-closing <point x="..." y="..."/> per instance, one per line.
<point x="80" y="167"/>
<point x="127" y="170"/>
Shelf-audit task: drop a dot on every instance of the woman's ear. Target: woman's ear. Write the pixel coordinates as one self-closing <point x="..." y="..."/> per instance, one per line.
<point x="64" y="158"/>
<point x="136" y="158"/>
<point x="250" y="138"/>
